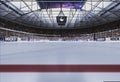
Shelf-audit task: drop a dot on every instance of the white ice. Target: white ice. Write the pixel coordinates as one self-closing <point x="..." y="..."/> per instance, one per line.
<point x="59" y="53"/>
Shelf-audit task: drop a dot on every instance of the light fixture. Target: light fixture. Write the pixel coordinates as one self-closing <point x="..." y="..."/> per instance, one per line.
<point x="61" y="18"/>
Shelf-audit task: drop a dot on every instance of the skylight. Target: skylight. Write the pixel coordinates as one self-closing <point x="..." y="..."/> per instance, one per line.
<point x="95" y="7"/>
<point x="26" y="6"/>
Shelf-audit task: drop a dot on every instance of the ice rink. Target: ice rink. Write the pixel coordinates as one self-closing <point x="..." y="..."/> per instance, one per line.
<point x="59" y="53"/>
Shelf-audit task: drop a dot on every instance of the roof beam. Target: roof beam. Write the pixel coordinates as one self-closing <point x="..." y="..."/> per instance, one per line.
<point x="10" y="8"/>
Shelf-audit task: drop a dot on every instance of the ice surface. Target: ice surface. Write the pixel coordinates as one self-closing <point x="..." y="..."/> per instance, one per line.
<point x="59" y="53"/>
<point x="59" y="77"/>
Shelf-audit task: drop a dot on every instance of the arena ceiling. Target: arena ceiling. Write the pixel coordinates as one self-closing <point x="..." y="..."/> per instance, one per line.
<point x="43" y="13"/>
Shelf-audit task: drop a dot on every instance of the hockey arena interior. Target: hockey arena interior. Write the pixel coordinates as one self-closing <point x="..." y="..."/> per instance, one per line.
<point x="60" y="40"/>
<point x="29" y="21"/>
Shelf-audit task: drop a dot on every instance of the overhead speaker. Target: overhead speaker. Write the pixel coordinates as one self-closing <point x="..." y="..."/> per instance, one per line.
<point x="61" y="20"/>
